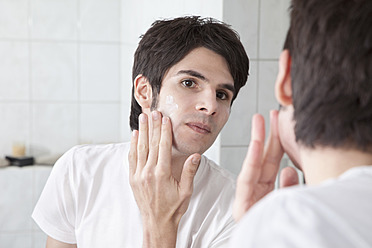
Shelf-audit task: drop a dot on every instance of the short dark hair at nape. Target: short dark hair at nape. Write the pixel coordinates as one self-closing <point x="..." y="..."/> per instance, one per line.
<point x="168" y="41"/>
<point x="330" y="43"/>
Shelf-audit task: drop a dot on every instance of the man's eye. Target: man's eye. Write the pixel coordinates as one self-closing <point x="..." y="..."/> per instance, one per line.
<point x="188" y="83"/>
<point x="222" y="95"/>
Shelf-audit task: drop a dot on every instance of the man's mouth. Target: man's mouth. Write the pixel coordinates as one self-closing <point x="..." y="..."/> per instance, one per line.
<point x="199" y="127"/>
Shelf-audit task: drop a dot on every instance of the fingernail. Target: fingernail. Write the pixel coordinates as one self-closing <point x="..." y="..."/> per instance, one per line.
<point x="142" y="118"/>
<point x="155" y="115"/>
<point x="135" y="133"/>
<point x="195" y="160"/>
<point x="164" y="120"/>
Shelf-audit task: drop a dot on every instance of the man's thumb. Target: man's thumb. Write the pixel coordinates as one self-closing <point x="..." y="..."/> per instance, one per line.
<point x="189" y="171"/>
<point x="288" y="177"/>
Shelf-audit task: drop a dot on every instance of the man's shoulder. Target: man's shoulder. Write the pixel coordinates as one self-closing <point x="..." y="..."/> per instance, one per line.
<point x="94" y="156"/>
<point x="324" y="203"/>
<point x="101" y="149"/>
<point x="316" y="215"/>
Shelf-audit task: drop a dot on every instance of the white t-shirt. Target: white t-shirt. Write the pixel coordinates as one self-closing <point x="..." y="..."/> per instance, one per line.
<point x="336" y="213"/>
<point x="88" y="200"/>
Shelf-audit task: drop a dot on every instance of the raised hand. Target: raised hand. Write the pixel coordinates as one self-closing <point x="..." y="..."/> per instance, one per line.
<point x="260" y="167"/>
<point x="161" y="198"/>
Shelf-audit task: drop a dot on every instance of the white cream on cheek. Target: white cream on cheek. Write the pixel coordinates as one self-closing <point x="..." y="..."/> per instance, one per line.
<point x="170" y="105"/>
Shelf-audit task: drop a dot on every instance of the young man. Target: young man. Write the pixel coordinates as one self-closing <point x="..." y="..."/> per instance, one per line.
<point x="157" y="191"/>
<point x="325" y="84"/>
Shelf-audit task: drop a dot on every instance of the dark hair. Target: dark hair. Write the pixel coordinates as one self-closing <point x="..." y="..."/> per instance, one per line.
<point x="169" y="41"/>
<point x="330" y="43"/>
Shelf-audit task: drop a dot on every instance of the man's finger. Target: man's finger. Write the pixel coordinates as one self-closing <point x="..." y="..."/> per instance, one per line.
<point x="154" y="138"/>
<point x="188" y="173"/>
<point x="273" y="151"/>
<point x="132" y="156"/>
<point x="288" y="177"/>
<point x="143" y="142"/>
<point x="247" y="180"/>
<point x="251" y="168"/>
<point x="165" y="147"/>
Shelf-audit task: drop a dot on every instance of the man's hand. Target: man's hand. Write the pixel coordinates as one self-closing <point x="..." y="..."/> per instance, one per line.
<point x="260" y="167"/>
<point x="162" y="199"/>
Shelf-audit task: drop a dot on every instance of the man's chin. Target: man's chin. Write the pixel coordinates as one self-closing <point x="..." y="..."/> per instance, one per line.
<point x="185" y="150"/>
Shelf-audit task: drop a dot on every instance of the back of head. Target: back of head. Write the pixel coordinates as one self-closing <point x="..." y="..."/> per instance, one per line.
<point x="169" y="41"/>
<point x="330" y="43"/>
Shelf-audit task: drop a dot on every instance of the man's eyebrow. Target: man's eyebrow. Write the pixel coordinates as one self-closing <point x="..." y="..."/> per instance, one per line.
<point x="192" y="73"/>
<point x="229" y="87"/>
<point x="200" y="76"/>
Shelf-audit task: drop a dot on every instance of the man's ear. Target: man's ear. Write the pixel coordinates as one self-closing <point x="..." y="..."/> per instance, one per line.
<point x="283" y="84"/>
<point x="142" y="91"/>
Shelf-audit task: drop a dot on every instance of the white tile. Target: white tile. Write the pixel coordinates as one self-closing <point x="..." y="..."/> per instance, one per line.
<point x="232" y="158"/>
<point x="125" y="107"/>
<point x="39" y="239"/>
<point x="126" y="60"/>
<point x="16" y="240"/>
<point x="54" y="19"/>
<point x="100" y="123"/>
<point x="209" y="8"/>
<point x="238" y="128"/>
<point x="131" y="21"/>
<point x="206" y="8"/>
<point x="100" y="20"/>
<point x="14" y="70"/>
<point x="125" y="131"/>
<point x="213" y="152"/>
<point x="14" y="127"/>
<point x="16" y="199"/>
<point x="14" y="19"/>
<point x="194" y="7"/>
<point x="54" y="128"/>
<point x="243" y="16"/>
<point x="164" y="9"/>
<point x="127" y="53"/>
<point x="41" y="175"/>
<point x="274" y="23"/>
<point x="54" y="71"/>
<point x="266" y="90"/>
<point x="136" y="21"/>
<point x="100" y="72"/>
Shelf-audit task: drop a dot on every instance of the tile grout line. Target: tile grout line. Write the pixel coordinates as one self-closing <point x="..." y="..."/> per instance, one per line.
<point x="258" y="54"/>
<point x="78" y="72"/>
<point x="120" y="119"/>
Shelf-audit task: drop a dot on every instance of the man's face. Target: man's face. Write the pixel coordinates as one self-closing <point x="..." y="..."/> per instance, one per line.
<point x="196" y="94"/>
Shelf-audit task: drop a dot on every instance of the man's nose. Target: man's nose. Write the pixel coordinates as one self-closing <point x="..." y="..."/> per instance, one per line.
<point x="207" y="102"/>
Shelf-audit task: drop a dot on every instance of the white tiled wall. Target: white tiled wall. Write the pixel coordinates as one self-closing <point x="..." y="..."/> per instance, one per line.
<point x="20" y="188"/>
<point x="263" y="33"/>
<point x="59" y="59"/>
<point x="65" y="79"/>
<point x="60" y="85"/>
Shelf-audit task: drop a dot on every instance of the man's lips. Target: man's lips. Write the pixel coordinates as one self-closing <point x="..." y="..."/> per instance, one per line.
<point x="199" y="127"/>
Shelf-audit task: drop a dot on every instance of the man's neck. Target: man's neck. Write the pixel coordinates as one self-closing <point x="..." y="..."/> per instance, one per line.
<point x="320" y="164"/>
